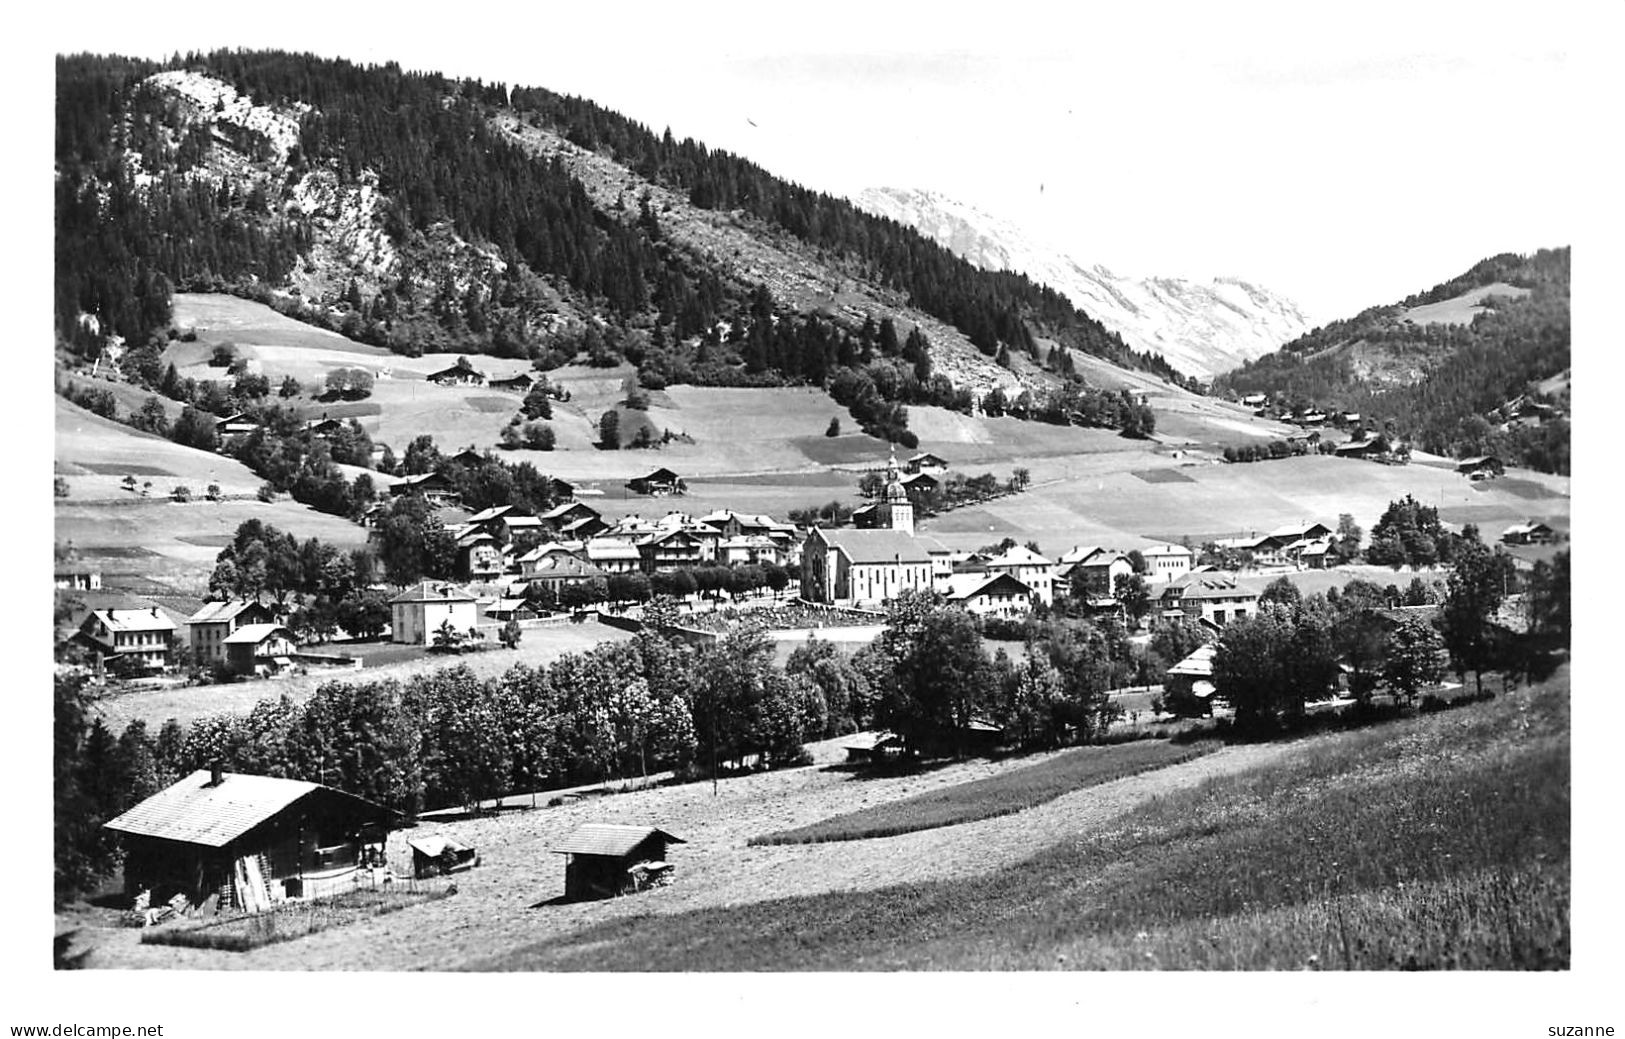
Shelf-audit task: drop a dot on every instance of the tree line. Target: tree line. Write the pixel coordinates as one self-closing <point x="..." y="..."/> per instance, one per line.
<point x="1468" y="370"/>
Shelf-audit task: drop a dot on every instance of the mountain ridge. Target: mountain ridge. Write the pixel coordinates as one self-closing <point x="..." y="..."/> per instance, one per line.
<point x="1201" y="329"/>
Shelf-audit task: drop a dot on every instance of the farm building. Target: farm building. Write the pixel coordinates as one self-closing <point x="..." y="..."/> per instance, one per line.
<point x="1528" y="533"/>
<point x="520" y="383"/>
<point x="211" y="624"/>
<point x="661" y="481"/>
<point x="435" y="488"/>
<point x="142" y="639"/>
<point x="1187" y="687"/>
<point x="235" y="425"/>
<point x="259" y="649"/>
<point x="561" y="490"/>
<point x="251" y="840"/>
<point x="570" y="516"/>
<point x="323" y="427"/>
<point x="418" y="611"/>
<point x="1481" y="463"/>
<point x="925" y="462"/>
<point x="603" y="859"/>
<point x="921" y="484"/>
<point x="460" y="374"/>
<point x="436" y="855"/>
<point x="469" y="457"/>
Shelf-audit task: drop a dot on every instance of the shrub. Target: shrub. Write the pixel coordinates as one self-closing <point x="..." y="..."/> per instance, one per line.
<point x="181" y="493"/>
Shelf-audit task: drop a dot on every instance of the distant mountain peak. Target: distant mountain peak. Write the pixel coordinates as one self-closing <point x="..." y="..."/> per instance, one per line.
<point x="1202" y="329"/>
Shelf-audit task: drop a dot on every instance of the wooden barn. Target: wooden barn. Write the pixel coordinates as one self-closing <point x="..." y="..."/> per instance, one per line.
<point x="606" y="859"/>
<point x="251" y="840"/>
<point x="436" y="855"/>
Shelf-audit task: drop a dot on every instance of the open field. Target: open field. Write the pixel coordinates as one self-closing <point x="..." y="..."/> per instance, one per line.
<point x="1436" y="841"/>
<point x="997" y="795"/>
<point x="95" y="453"/>
<point x="538" y="646"/>
<point x="1460" y="310"/>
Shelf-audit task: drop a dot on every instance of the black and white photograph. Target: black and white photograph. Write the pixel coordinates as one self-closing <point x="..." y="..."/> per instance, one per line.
<point x="753" y="495"/>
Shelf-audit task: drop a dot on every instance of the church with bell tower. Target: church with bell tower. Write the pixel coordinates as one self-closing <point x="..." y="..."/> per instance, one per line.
<point x="894" y="511"/>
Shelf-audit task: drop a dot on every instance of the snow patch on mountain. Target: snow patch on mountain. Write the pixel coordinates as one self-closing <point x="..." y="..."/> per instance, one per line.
<point x="1201" y="329"/>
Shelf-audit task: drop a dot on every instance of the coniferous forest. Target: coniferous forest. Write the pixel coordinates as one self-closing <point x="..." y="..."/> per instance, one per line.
<point x="1468" y="371"/>
<point x="136" y="224"/>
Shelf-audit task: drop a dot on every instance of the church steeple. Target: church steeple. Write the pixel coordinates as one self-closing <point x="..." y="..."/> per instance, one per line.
<point x="897" y="512"/>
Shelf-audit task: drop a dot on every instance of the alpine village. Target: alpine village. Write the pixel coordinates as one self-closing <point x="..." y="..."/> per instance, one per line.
<point x="493" y="534"/>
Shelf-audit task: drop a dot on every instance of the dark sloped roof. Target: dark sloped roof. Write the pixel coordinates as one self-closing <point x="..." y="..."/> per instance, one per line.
<point x="609" y="839"/>
<point x="194" y="812"/>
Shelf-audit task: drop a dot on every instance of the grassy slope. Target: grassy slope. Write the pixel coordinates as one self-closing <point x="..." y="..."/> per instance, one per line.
<point x="1438" y="842"/>
<point x="997" y="795"/>
<point x="1083" y="490"/>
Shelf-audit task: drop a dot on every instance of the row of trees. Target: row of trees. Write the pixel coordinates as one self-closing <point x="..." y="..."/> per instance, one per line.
<point x="1270" y="665"/>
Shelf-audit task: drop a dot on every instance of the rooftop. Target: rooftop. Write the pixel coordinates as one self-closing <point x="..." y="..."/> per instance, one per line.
<point x="194" y="811"/>
<point x="609" y="839"/>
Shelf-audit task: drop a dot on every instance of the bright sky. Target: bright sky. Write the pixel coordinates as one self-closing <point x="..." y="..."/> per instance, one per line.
<point x="1342" y="160"/>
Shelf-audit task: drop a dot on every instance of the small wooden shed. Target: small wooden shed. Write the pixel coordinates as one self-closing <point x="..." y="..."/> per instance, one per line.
<point x="436" y="855"/>
<point x="606" y="859"/>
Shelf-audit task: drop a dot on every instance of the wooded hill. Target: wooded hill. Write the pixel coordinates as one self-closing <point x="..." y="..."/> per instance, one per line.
<point x="481" y="245"/>
<point x="1438" y="382"/>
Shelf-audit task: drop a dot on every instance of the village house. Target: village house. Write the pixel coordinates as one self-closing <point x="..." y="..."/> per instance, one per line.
<point x="1212" y="597"/>
<point x="669" y="550"/>
<point x="658" y="483"/>
<point x="459" y="374"/>
<point x="1028" y="567"/>
<point x="557" y="571"/>
<point x="324" y="427"/>
<point x="210" y="625"/>
<point x="613" y="555"/>
<point x="1486" y="465"/>
<point x="921" y="485"/>
<point x="259" y="649"/>
<point x="469" y="458"/>
<point x="561" y="490"/>
<point x="480" y="557"/>
<point x="235" y="424"/>
<point x="991" y="594"/>
<point x="603" y="859"/>
<point x="249" y="841"/>
<point x="1528" y="533"/>
<point x="137" y="639"/>
<point x="520" y="383"/>
<point x="927" y="464"/>
<point x="1165" y="563"/>
<point x="435" y="488"/>
<point x="1093" y="575"/>
<point x="573" y="519"/>
<point x="863" y="567"/>
<point x="417" y="612"/>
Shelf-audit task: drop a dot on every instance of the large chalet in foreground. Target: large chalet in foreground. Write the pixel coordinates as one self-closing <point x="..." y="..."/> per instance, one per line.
<point x="250" y="840"/>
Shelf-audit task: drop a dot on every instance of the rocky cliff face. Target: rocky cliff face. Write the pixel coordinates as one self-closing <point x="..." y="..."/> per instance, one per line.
<point x="1201" y="329"/>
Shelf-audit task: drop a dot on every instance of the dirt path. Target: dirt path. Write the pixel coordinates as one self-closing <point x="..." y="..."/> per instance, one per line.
<point x="499" y="905"/>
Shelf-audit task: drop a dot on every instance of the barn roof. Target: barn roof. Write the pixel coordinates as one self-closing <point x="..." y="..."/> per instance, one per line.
<point x="609" y="839"/>
<point x="254" y="634"/>
<point x="193" y="811"/>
